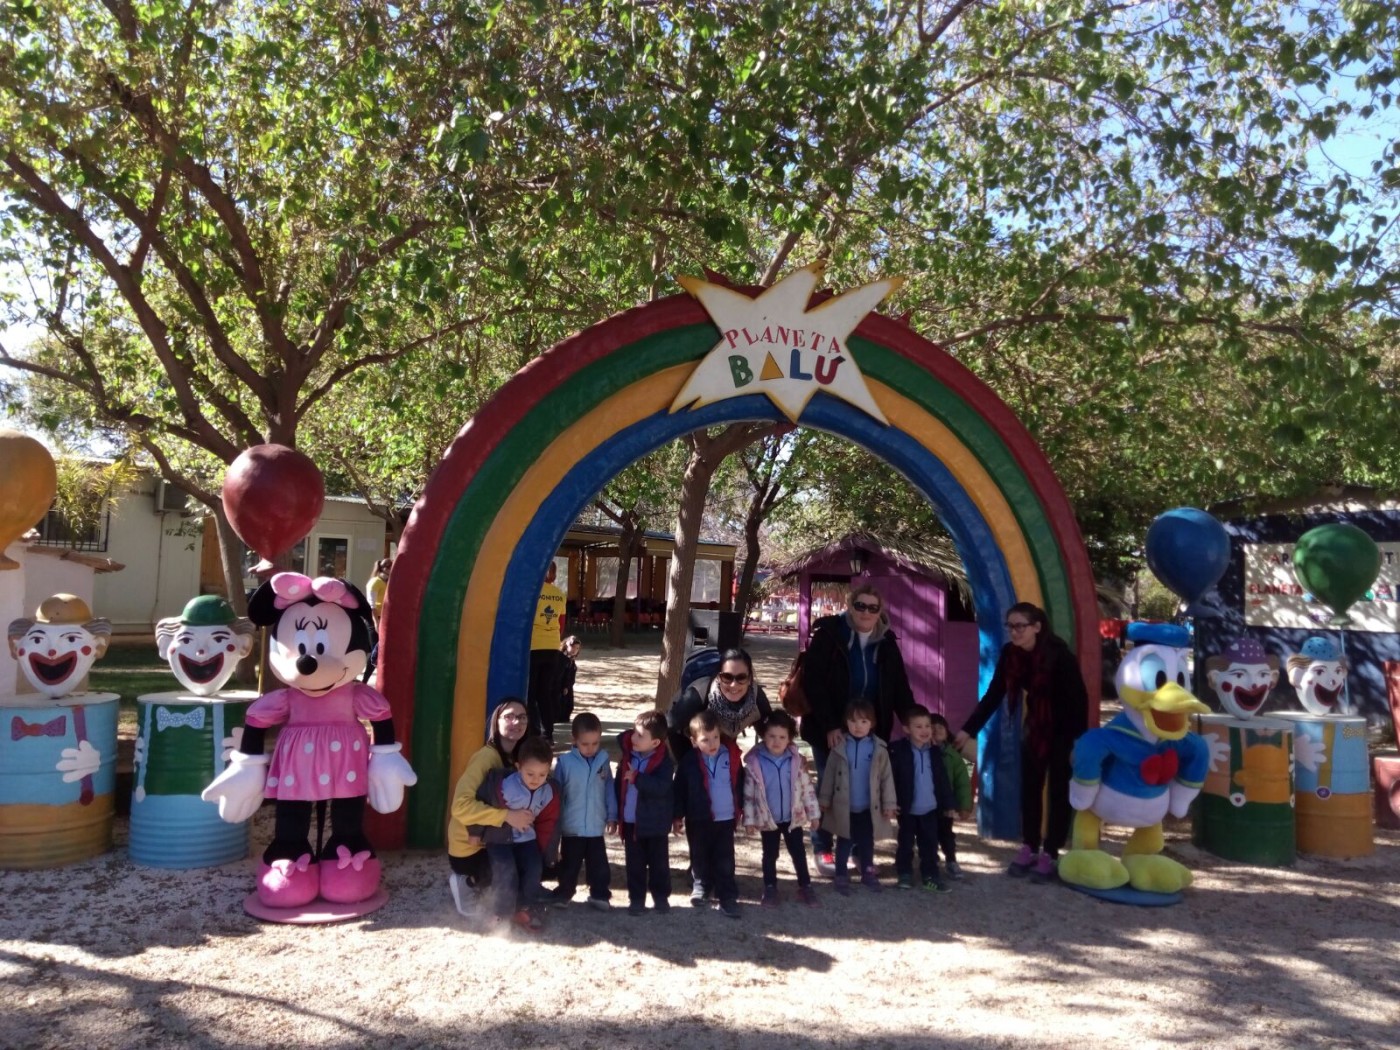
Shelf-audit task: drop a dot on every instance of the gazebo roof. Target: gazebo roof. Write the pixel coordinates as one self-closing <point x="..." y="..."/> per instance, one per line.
<point x="936" y="558"/>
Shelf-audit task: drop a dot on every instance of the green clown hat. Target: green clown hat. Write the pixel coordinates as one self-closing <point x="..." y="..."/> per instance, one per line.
<point x="208" y="610"/>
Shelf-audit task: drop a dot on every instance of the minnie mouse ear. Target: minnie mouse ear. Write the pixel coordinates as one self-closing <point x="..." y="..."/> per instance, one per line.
<point x="261" y="609"/>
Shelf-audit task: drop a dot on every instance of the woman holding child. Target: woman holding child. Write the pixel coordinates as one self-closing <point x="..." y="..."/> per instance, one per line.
<point x="471" y="868"/>
<point x="851" y="656"/>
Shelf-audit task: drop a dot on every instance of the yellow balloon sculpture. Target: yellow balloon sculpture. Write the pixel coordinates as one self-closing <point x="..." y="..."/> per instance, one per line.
<point x="28" y="482"/>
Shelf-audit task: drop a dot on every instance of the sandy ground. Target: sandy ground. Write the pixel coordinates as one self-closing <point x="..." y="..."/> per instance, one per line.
<point x="105" y="954"/>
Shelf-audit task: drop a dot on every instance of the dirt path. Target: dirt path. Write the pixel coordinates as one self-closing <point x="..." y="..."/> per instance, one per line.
<point x="105" y="954"/>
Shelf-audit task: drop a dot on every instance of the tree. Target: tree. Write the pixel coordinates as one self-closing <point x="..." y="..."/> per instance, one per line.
<point x="641" y="492"/>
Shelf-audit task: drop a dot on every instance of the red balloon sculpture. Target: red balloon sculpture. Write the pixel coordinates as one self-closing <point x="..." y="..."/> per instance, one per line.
<point x="273" y="496"/>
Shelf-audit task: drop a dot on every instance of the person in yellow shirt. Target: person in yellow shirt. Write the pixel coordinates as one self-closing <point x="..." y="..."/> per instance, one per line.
<point x="375" y="592"/>
<point x="546" y="661"/>
<point x="471" y="867"/>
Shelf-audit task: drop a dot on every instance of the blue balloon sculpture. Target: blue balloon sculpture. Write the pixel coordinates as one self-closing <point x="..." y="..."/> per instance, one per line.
<point x="1188" y="550"/>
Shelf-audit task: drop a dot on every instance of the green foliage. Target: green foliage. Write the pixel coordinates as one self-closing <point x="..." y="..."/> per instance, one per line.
<point x="345" y="225"/>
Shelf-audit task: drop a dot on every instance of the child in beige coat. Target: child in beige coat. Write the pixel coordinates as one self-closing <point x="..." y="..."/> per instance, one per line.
<point x="857" y="796"/>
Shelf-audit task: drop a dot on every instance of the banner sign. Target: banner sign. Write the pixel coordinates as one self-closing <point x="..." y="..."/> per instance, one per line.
<point x="1273" y="597"/>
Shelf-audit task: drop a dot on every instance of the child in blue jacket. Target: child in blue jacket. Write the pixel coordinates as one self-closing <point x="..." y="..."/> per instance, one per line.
<point x="710" y="805"/>
<point x="644" y="804"/>
<point x="589" y="812"/>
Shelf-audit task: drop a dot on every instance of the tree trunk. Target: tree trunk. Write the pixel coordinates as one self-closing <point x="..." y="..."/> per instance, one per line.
<point x="626" y="552"/>
<point x="745" y="597"/>
<point x="706" y="454"/>
<point x="231" y="558"/>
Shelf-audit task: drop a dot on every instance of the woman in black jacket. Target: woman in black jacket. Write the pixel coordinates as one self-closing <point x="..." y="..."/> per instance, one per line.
<point x="850" y="655"/>
<point x="1039" y="677"/>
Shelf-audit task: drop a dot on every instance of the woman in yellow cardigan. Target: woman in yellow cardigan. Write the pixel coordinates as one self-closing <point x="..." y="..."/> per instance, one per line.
<point x="470" y="869"/>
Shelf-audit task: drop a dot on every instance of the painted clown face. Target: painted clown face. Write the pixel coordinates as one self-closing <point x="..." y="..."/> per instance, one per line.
<point x="1319" y="684"/>
<point x="1243" y="688"/>
<point x="1242" y="676"/>
<point x="56" y="650"/>
<point x="203" y="658"/>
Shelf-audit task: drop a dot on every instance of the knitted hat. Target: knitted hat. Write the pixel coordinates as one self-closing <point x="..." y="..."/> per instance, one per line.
<point x="1316" y="648"/>
<point x="1245" y="651"/>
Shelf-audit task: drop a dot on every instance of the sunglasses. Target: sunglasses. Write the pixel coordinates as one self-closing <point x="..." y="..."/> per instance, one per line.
<point x="865" y="607"/>
<point x="1016" y="626"/>
<point x="733" y="679"/>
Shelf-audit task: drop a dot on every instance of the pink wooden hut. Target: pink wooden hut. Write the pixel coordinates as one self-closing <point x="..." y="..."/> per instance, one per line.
<point x="929" y="605"/>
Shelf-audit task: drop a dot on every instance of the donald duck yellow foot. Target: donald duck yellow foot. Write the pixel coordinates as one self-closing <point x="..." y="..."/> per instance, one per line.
<point x="1093" y="869"/>
<point x="1155" y="873"/>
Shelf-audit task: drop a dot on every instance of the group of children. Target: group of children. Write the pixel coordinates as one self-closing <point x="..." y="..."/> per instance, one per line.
<point x="709" y="794"/>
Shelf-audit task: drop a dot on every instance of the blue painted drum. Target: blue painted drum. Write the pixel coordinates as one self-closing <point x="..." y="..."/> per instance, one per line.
<point x="1333" y="774"/>
<point x="57" y="777"/>
<point x="182" y="740"/>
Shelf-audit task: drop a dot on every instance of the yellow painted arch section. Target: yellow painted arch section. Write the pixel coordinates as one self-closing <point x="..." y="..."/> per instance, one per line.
<point x="629" y="406"/>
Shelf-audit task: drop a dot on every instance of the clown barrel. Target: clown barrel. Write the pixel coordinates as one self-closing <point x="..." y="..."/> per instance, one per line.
<point x="1334" y="797"/>
<point x="45" y="819"/>
<point x="183" y="738"/>
<point x="1245" y="809"/>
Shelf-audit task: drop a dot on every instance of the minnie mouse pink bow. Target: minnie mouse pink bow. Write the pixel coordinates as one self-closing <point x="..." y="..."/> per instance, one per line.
<point x="286" y="866"/>
<point x="293" y="587"/>
<point x="346" y="859"/>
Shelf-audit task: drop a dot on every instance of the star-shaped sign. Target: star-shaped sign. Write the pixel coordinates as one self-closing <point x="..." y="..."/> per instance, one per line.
<point x="774" y="345"/>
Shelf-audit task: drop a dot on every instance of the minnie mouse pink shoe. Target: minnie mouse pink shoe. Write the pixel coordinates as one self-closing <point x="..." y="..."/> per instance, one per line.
<point x="288" y="883"/>
<point x="350" y="877"/>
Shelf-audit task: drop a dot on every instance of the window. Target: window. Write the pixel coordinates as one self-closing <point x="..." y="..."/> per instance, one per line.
<point x="705" y="586"/>
<point x="607" y="578"/>
<point x="57" y="531"/>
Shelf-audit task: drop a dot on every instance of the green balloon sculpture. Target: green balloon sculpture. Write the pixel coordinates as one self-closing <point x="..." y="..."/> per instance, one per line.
<point x="1337" y="564"/>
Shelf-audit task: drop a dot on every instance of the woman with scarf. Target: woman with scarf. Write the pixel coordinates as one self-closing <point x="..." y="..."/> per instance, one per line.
<point x="1039" y="678"/>
<point x="733" y="695"/>
<point x="853" y="655"/>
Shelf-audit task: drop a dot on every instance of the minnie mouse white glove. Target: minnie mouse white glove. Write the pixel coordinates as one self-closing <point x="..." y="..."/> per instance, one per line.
<point x="238" y="789"/>
<point x="389" y="774"/>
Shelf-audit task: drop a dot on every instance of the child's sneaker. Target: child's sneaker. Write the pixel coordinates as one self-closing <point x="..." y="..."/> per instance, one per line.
<point x="870" y="880"/>
<point x="662" y="906"/>
<point x="600" y="903"/>
<point x="826" y="863"/>
<point x="954" y="870"/>
<point x="906" y="882"/>
<point x="807" y="895"/>
<point x="698" y="895"/>
<point x="1044" y="870"/>
<point x="730" y="909"/>
<point x="464" y="896"/>
<point x="557" y="900"/>
<point x="637" y="908"/>
<point x="1020" y="865"/>
<point x="937" y="885"/>
<point x="770" y="897"/>
<point x="528" y="920"/>
<point x="842" y="885"/>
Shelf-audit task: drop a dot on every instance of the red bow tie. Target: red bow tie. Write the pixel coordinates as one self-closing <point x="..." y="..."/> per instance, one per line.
<point x="19" y="728"/>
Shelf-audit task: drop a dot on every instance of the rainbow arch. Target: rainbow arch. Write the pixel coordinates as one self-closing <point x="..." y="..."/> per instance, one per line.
<point x="462" y="596"/>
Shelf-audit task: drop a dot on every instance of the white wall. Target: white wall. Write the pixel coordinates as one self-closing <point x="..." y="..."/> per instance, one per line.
<point x="162" y="566"/>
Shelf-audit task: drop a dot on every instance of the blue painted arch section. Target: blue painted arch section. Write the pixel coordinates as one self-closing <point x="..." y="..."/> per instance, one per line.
<point x="999" y="813"/>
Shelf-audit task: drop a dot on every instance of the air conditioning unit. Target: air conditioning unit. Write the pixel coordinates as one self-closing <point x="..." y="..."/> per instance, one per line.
<point x="169" y="498"/>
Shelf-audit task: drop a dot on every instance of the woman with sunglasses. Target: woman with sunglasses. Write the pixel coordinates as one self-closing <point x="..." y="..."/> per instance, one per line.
<point x="852" y="655"/>
<point x="733" y="695"/>
<point x="1039" y="678"/>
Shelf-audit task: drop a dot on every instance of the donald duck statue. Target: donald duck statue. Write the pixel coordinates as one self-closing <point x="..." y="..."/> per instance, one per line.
<point x="1135" y="770"/>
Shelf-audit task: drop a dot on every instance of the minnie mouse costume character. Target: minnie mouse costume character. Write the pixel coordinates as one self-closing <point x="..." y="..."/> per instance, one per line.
<point x="319" y="645"/>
